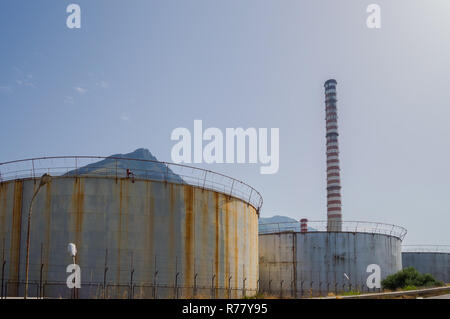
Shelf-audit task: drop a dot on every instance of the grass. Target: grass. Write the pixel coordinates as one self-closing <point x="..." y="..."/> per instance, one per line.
<point x="409" y="287"/>
<point x="256" y="296"/>
<point x="350" y="293"/>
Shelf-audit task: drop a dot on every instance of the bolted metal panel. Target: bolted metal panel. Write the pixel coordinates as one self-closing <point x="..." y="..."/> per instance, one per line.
<point x="135" y="239"/>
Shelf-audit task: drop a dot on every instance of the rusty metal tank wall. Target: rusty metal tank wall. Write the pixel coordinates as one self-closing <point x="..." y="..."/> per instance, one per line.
<point x="294" y="264"/>
<point x="144" y="239"/>
<point x="435" y="263"/>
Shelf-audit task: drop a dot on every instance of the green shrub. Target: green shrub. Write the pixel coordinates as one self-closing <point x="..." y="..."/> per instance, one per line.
<point x="408" y="278"/>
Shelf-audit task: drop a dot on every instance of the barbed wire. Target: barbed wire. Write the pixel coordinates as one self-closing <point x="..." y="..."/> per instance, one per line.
<point x="426" y="248"/>
<point x="118" y="167"/>
<point x="346" y="226"/>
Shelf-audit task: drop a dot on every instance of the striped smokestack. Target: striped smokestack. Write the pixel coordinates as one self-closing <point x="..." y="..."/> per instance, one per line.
<point x="334" y="211"/>
<point x="303" y="225"/>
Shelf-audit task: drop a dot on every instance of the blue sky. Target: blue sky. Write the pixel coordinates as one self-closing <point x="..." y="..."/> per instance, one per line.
<point x="138" y="69"/>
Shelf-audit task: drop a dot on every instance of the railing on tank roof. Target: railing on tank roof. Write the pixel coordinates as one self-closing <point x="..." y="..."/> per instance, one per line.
<point x="70" y="166"/>
<point x="347" y="226"/>
<point x="426" y="249"/>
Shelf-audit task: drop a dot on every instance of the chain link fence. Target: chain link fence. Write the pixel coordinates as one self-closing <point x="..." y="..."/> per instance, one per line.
<point x="161" y="279"/>
<point x="309" y="283"/>
<point x="110" y="290"/>
<point x="119" y="291"/>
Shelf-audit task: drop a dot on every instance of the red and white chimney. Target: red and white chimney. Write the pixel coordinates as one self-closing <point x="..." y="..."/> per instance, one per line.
<point x="303" y="225"/>
<point x="334" y="204"/>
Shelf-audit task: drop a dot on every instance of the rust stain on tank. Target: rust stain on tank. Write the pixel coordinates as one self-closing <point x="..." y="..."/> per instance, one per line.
<point x="123" y="210"/>
<point x="227" y="242"/>
<point x="245" y="251"/>
<point x="205" y="223"/>
<point x="47" y="230"/>
<point x="78" y="208"/>
<point x="171" y="224"/>
<point x="216" y="240"/>
<point x="252" y="248"/>
<point x="236" y="246"/>
<point x="3" y="200"/>
<point x="150" y="207"/>
<point x="189" y="233"/>
<point x="250" y="235"/>
<point x="255" y="241"/>
<point x="16" y="231"/>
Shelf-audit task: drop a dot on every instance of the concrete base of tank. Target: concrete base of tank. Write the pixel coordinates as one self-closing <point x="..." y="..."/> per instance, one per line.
<point x="294" y="264"/>
<point x="141" y="239"/>
<point x="435" y="263"/>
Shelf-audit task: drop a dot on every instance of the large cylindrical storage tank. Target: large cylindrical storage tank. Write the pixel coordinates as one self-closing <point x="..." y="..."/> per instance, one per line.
<point x="136" y="238"/>
<point x="431" y="260"/>
<point x="301" y="264"/>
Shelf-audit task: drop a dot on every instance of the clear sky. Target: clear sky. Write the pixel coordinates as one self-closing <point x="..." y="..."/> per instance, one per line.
<point x="138" y="69"/>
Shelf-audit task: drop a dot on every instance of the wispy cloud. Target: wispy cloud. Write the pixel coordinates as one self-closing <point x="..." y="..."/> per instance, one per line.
<point x="69" y="100"/>
<point x="103" y="84"/>
<point x="80" y="90"/>
<point x="124" y="117"/>
<point x="25" y="83"/>
<point x="6" y="89"/>
<point x="17" y="69"/>
<point x="23" y="79"/>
